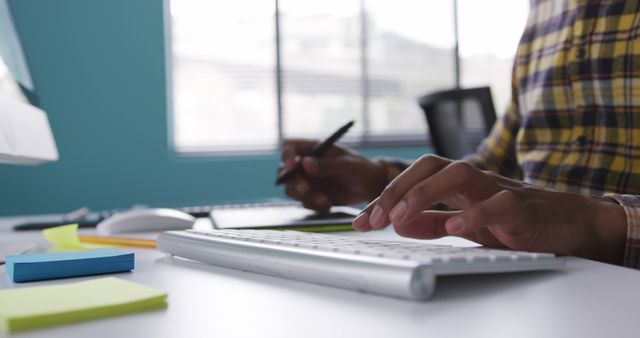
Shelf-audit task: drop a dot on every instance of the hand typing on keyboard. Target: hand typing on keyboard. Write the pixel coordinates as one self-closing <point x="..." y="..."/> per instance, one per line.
<point x="496" y="211"/>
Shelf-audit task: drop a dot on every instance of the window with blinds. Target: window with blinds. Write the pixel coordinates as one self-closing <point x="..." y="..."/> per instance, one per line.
<point x="487" y="46"/>
<point x="248" y="73"/>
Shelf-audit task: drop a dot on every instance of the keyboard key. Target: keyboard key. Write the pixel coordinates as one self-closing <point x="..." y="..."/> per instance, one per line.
<point x="424" y="253"/>
<point x="335" y="258"/>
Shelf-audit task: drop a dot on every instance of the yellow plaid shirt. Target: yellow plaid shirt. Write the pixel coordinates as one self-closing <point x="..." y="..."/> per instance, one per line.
<point x="574" y="119"/>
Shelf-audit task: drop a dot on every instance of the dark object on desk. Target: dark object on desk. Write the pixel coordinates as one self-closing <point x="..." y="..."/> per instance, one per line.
<point x="458" y="119"/>
<point x="45" y="225"/>
<point x="97" y="217"/>
<point x="285" y="215"/>
<point x="315" y="152"/>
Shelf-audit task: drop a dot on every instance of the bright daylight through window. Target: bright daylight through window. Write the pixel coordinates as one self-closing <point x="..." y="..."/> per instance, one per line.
<point x="243" y="77"/>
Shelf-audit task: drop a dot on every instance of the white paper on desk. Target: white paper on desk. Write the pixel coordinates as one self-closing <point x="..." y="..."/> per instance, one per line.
<point x="13" y="248"/>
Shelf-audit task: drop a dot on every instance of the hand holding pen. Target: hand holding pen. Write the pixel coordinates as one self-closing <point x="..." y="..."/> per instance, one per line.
<point x="317" y="151"/>
<point x="333" y="175"/>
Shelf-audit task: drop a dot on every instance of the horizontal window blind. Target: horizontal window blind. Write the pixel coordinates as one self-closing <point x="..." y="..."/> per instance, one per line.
<point x="338" y="60"/>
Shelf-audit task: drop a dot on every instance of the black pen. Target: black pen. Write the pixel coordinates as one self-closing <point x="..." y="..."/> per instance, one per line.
<point x="315" y="152"/>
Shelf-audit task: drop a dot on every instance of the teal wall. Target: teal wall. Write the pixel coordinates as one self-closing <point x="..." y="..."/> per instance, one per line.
<point x="99" y="70"/>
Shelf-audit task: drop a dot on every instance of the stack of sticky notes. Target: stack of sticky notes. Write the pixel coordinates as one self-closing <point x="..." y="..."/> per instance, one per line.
<point x="31" y="267"/>
<point x="41" y="306"/>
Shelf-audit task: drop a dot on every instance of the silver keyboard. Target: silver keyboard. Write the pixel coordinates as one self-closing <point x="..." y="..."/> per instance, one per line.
<point x="393" y="268"/>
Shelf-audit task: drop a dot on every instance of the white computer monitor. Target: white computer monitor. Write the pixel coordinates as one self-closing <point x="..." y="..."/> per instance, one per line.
<point x="25" y="134"/>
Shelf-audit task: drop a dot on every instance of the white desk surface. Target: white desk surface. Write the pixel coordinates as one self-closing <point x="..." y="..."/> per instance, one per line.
<point x="585" y="299"/>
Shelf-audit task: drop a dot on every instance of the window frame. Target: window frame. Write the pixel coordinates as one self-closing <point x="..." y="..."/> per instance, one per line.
<point x="366" y="141"/>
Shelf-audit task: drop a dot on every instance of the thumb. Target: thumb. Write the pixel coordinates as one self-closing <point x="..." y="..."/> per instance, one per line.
<point x="324" y="167"/>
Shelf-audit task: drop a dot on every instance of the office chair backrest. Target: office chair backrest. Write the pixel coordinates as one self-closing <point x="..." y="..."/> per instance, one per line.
<point x="458" y="119"/>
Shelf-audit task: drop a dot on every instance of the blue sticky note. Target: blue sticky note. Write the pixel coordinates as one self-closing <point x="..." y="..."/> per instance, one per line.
<point x="32" y="267"/>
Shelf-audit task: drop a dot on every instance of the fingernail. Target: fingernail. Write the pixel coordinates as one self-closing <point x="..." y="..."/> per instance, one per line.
<point x="291" y="162"/>
<point x="454" y="225"/>
<point x="398" y="212"/>
<point x="376" y="217"/>
<point x="360" y="222"/>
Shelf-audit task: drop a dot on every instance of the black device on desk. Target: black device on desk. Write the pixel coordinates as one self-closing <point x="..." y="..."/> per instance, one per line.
<point x="92" y="220"/>
<point x="283" y="215"/>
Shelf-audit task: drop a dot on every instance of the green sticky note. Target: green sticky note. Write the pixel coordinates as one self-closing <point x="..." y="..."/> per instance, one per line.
<point x="65" y="238"/>
<point x="42" y="306"/>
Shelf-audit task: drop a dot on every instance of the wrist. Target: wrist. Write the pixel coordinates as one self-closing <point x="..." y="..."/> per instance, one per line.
<point x="610" y="227"/>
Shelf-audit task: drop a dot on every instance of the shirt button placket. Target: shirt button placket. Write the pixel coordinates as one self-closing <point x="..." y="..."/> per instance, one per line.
<point x="580" y="53"/>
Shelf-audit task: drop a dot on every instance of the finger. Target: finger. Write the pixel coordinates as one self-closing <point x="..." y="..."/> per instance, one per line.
<point x="431" y="225"/>
<point x="288" y="156"/>
<point x="458" y="178"/>
<point x="505" y="182"/>
<point x="418" y="171"/>
<point x="310" y="198"/>
<point x="324" y="167"/>
<point x="290" y="161"/>
<point x="298" y="146"/>
<point x="290" y="191"/>
<point x="297" y="188"/>
<point x="317" y="201"/>
<point x="301" y="147"/>
<point x="501" y="209"/>
<point x="282" y="167"/>
<point x="428" y="225"/>
<point x="295" y="148"/>
<point x="361" y="222"/>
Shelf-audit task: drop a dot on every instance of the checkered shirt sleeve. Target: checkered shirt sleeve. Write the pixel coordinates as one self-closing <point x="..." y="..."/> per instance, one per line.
<point x="631" y="205"/>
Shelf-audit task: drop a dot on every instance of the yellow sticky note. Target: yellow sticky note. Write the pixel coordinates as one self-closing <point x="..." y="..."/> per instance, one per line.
<point x="41" y="306"/>
<point x="65" y="238"/>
